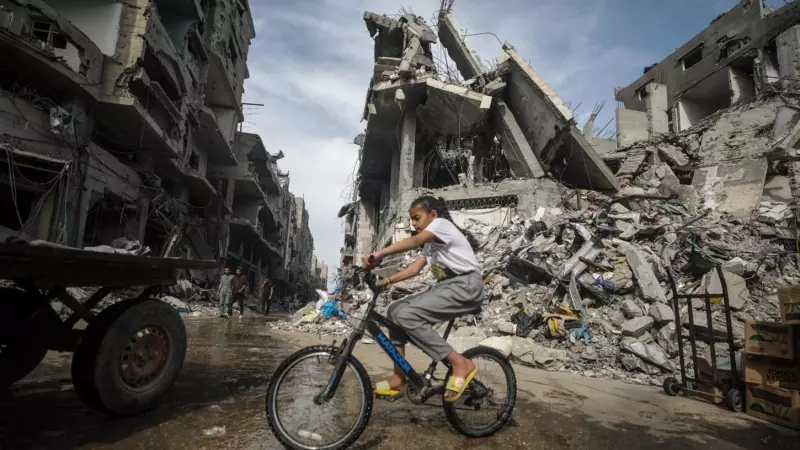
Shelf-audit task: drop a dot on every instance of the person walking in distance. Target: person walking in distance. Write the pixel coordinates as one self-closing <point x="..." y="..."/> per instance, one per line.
<point x="267" y="290"/>
<point x="225" y="292"/>
<point x="239" y="288"/>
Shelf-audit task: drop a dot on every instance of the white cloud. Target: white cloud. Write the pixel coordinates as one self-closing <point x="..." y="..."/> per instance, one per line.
<point x="311" y="63"/>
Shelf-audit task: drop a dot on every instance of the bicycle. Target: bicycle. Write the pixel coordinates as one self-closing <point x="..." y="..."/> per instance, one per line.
<point x="419" y="388"/>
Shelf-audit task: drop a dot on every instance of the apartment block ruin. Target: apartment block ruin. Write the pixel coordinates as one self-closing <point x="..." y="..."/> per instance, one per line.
<point x="119" y="119"/>
<point x="722" y="111"/>
<point x="493" y="142"/>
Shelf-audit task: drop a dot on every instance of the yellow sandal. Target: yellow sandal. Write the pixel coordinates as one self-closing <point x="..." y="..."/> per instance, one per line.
<point x="458" y="385"/>
<point x="383" y="390"/>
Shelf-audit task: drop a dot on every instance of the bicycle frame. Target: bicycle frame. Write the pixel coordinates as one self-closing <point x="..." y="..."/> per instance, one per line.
<point x="371" y="323"/>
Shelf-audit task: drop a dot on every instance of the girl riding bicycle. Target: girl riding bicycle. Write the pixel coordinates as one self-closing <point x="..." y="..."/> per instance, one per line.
<point x="450" y="252"/>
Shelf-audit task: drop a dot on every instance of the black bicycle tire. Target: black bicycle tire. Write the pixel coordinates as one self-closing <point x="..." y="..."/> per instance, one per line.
<point x="274" y="384"/>
<point x="451" y="413"/>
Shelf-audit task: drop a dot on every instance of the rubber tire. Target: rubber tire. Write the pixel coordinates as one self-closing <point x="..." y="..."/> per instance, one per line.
<point x="671" y="386"/>
<point x="366" y="385"/>
<point x="733" y="399"/>
<point x="30" y="337"/>
<point x="95" y="364"/>
<point x="451" y="412"/>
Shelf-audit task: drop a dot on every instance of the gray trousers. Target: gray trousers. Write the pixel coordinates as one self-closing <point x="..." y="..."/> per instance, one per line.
<point x="447" y="300"/>
<point x="225" y="299"/>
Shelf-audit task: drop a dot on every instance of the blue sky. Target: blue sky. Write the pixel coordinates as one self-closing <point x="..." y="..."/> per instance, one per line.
<point x="311" y="62"/>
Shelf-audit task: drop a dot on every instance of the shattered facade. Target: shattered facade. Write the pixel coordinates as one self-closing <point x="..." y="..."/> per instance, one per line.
<point x="119" y="119"/>
<point x="501" y="140"/>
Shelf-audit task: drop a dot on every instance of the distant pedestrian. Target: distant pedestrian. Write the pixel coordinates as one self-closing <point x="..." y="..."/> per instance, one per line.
<point x="225" y="292"/>
<point x="267" y="291"/>
<point x="239" y="288"/>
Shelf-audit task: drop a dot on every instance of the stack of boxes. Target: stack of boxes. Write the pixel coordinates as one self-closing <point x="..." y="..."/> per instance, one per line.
<point x="772" y="364"/>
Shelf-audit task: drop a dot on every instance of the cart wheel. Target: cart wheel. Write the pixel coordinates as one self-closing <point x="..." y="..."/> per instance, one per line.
<point x="130" y="355"/>
<point x="733" y="399"/>
<point x="26" y="323"/>
<point x="672" y="386"/>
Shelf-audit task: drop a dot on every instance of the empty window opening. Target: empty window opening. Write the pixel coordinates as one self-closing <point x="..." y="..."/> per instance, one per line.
<point x="49" y="34"/>
<point x="771" y="66"/>
<point x="642" y="93"/>
<point x="693" y="57"/>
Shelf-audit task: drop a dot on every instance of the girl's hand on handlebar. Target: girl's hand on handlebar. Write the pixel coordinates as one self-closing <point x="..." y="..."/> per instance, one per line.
<point x="372" y="261"/>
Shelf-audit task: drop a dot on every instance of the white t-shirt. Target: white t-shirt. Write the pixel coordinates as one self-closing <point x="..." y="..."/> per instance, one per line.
<point x="450" y="249"/>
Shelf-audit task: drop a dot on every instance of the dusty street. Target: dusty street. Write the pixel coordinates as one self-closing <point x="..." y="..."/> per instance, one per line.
<point x="229" y="364"/>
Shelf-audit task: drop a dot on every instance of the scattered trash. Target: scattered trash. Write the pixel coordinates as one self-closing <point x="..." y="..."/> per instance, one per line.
<point x="214" y="432"/>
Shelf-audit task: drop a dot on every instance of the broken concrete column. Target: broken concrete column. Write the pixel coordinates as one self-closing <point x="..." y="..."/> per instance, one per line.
<point x="518" y="152"/>
<point x="657" y="109"/>
<point x="408" y="55"/>
<point x="467" y="61"/>
<point x="645" y="277"/>
<point x="632" y="127"/>
<point x="365" y="228"/>
<point x="402" y="179"/>
<point x="631" y="165"/>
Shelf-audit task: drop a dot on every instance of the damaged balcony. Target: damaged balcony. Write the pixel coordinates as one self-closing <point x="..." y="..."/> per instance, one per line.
<point x="146" y="86"/>
<point x="47" y="49"/>
<point x="228" y="32"/>
<point x="210" y="137"/>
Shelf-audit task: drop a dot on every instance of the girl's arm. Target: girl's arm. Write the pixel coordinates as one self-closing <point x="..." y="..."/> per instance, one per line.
<point x="405" y="245"/>
<point x="409" y="272"/>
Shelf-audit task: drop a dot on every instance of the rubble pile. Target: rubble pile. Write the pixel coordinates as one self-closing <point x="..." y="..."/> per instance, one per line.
<point x="584" y="287"/>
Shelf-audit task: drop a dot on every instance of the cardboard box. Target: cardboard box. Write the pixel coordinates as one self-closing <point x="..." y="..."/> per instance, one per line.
<point x="772" y="339"/>
<point x="772" y="372"/>
<point x="789" y="298"/>
<point x="780" y="406"/>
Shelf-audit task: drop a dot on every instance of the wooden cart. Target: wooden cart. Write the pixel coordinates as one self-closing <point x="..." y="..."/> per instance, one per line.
<point x="126" y="356"/>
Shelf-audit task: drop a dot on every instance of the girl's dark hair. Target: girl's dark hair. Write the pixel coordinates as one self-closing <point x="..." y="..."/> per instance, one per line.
<point x="430" y="203"/>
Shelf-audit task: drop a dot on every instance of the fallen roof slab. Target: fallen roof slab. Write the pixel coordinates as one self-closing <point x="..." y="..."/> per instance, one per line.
<point x="550" y="128"/>
<point x="452" y="110"/>
<point x="467" y="61"/>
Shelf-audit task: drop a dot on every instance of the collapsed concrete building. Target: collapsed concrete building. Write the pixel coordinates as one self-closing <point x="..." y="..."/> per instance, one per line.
<point x="721" y="111"/>
<point x="119" y="119"/>
<point x="498" y="141"/>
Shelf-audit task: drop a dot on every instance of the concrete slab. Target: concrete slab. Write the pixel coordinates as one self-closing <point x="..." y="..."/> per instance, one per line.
<point x="467" y="61"/>
<point x="519" y="154"/>
<point x="452" y="110"/>
<point x="734" y="188"/>
<point x="549" y="127"/>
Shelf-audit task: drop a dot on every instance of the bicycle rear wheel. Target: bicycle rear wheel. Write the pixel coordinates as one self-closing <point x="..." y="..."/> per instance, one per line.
<point x="298" y="422"/>
<point x="487" y="403"/>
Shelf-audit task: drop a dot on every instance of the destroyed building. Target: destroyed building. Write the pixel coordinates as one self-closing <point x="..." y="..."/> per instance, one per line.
<point x="119" y="119"/>
<point x="491" y="142"/>
<point x="578" y="272"/>
<point x="715" y="108"/>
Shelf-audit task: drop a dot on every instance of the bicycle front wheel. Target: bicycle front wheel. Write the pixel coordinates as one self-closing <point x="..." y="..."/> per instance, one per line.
<point x="487" y="403"/>
<point x="298" y="422"/>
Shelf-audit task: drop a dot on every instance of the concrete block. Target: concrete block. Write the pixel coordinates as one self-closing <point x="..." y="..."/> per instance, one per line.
<point x="473" y="332"/>
<point x="631" y="309"/>
<point x="667" y="338"/>
<point x="499" y="343"/>
<point x="672" y="155"/>
<point x="637" y="326"/>
<point x="738" y="294"/>
<point x="662" y="313"/>
<point x="649" y="353"/>
<point x="528" y="352"/>
<point x="462" y="344"/>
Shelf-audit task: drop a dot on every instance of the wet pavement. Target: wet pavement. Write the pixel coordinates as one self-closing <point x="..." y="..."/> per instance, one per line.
<point x="229" y="363"/>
